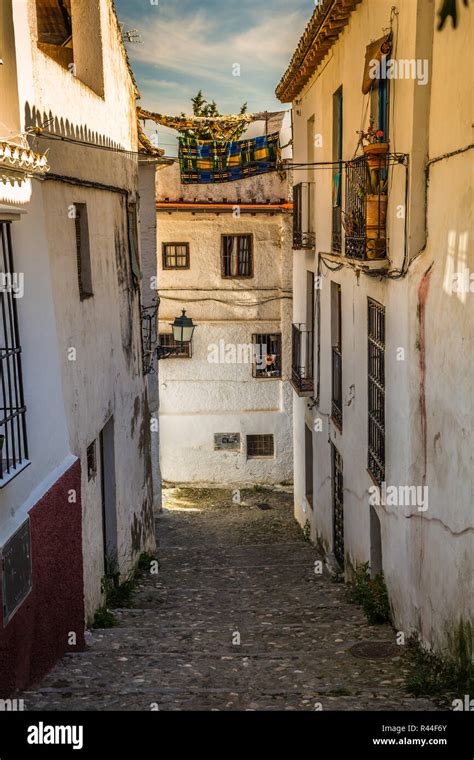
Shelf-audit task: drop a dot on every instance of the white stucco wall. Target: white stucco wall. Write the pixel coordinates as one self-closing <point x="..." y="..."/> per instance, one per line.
<point x="105" y="379"/>
<point x="198" y="398"/>
<point x="427" y="556"/>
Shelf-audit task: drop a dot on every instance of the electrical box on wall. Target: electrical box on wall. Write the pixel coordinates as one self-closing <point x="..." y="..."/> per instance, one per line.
<point x="227" y="441"/>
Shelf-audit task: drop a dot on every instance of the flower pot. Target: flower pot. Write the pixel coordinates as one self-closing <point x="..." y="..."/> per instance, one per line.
<point x="375" y="225"/>
<point x="376" y="154"/>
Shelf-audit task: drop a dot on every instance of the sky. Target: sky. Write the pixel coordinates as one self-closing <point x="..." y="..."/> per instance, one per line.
<point x="188" y="45"/>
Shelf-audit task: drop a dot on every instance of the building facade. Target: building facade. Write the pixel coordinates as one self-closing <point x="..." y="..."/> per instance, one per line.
<point x="75" y="486"/>
<point x="224" y="255"/>
<point x="383" y="303"/>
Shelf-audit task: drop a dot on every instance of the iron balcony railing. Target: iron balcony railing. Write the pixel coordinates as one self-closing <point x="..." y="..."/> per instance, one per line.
<point x="303" y="216"/>
<point x="336" y="406"/>
<point x="302" y="364"/>
<point x="365" y="207"/>
<point x="336" y="235"/>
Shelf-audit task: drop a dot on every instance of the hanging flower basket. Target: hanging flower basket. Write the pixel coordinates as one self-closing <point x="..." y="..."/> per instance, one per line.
<point x="376" y="154"/>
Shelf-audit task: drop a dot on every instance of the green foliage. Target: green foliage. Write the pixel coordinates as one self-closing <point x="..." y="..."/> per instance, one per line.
<point x="371" y="594"/>
<point x="103" y="618"/>
<point x="118" y="592"/>
<point x="307" y="531"/>
<point x="201" y="107"/>
<point x="433" y="675"/>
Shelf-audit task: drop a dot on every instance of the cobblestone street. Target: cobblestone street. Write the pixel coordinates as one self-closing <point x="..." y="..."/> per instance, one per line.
<point x="230" y="572"/>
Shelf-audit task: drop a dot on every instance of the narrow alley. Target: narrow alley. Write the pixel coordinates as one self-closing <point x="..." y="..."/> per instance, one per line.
<point x="236" y="619"/>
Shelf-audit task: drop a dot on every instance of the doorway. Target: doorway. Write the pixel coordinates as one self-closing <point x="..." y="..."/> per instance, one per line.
<point x="109" y="504"/>
<point x="338" y="505"/>
<point x="308" y="465"/>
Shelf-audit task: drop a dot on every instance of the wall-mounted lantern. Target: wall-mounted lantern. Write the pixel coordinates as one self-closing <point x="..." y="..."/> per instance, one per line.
<point x="183" y="331"/>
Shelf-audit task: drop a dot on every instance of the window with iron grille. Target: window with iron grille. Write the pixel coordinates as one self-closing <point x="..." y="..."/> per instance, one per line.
<point x="237" y="256"/>
<point x="83" y="251"/>
<point x="16" y="571"/>
<point x="13" y="440"/>
<point x="376" y="390"/>
<point x="175" y="255"/>
<point x="336" y="358"/>
<point x="260" y="446"/>
<point x="267" y="355"/>
<point x="91" y="461"/>
<point x="167" y="341"/>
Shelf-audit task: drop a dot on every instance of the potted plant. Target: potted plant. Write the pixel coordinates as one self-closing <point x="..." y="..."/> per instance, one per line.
<point x="373" y="145"/>
<point x="376" y="213"/>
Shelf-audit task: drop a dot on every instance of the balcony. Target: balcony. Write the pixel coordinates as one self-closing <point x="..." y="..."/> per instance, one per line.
<point x="336" y="405"/>
<point x="304" y="237"/>
<point x="365" y="213"/>
<point x="302" y="364"/>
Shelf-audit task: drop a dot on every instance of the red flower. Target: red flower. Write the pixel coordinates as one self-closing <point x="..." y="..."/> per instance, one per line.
<point x="379" y="133"/>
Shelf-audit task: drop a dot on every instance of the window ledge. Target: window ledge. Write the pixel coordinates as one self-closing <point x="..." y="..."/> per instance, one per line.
<point x="368" y="264"/>
<point x="14" y="471"/>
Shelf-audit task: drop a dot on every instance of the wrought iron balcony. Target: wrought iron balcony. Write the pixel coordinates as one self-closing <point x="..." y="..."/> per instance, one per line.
<point x="336" y="406"/>
<point x="365" y="213"/>
<point x="302" y="364"/>
<point x="303" y="215"/>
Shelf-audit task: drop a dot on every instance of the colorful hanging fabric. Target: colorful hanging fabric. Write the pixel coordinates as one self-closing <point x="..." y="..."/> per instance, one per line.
<point x="212" y="161"/>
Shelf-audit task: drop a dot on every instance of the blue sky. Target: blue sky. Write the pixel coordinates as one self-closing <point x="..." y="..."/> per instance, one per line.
<point x="187" y="45"/>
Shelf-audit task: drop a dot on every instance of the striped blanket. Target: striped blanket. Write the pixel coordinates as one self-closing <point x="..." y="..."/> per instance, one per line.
<point x="217" y="161"/>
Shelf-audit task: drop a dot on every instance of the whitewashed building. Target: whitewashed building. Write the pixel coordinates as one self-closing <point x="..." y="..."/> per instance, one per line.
<point x="75" y="486"/>
<point x="225" y="404"/>
<point x="383" y="313"/>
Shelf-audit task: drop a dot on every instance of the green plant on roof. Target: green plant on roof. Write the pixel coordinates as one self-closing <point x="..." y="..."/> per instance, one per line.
<point x="202" y="107"/>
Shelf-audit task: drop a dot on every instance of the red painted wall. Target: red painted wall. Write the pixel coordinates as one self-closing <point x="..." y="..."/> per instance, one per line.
<point x="37" y="635"/>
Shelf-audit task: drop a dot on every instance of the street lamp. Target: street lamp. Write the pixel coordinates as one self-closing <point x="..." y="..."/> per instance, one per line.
<point x="183" y="331"/>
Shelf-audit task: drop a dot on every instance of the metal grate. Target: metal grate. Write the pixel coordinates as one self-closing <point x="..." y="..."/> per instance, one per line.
<point x="13" y="440"/>
<point x="365" y="187"/>
<point x="303" y="232"/>
<point x="338" y="505"/>
<point x="376" y="390"/>
<point x="336" y="234"/>
<point x="267" y="355"/>
<point x="175" y="255"/>
<point x="16" y="571"/>
<point x="167" y="341"/>
<point x="260" y="446"/>
<point x="336" y="407"/>
<point x="83" y="253"/>
<point x="237" y="256"/>
<point x="302" y="360"/>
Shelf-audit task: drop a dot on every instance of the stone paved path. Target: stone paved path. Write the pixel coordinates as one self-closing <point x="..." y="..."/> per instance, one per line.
<point x="225" y="570"/>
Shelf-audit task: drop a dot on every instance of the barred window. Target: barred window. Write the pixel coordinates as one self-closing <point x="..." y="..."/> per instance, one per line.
<point x="267" y="355"/>
<point x="260" y="446"/>
<point x="167" y="341"/>
<point x="13" y="440"/>
<point x="175" y="255"/>
<point x="376" y="390"/>
<point x="237" y="256"/>
<point x="91" y="461"/>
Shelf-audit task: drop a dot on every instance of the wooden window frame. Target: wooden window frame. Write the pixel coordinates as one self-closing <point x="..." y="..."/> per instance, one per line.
<point x="187" y="353"/>
<point x="166" y="266"/>
<point x="251" y="255"/>
<point x="257" y="372"/>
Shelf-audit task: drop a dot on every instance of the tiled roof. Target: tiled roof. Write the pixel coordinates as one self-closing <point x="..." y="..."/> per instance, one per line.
<point x="328" y="20"/>
<point x="16" y="160"/>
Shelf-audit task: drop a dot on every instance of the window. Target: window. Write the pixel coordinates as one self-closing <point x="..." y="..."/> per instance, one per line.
<point x="83" y="252"/>
<point x="336" y="338"/>
<point x="91" y="461"/>
<point x="259" y="446"/>
<point x="132" y="227"/>
<point x="237" y="256"/>
<point x="13" y="441"/>
<point x="17" y="573"/>
<point x="167" y="341"/>
<point x="69" y="32"/>
<point x="376" y="390"/>
<point x="337" y="104"/>
<point x="267" y="355"/>
<point x="175" y="255"/>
